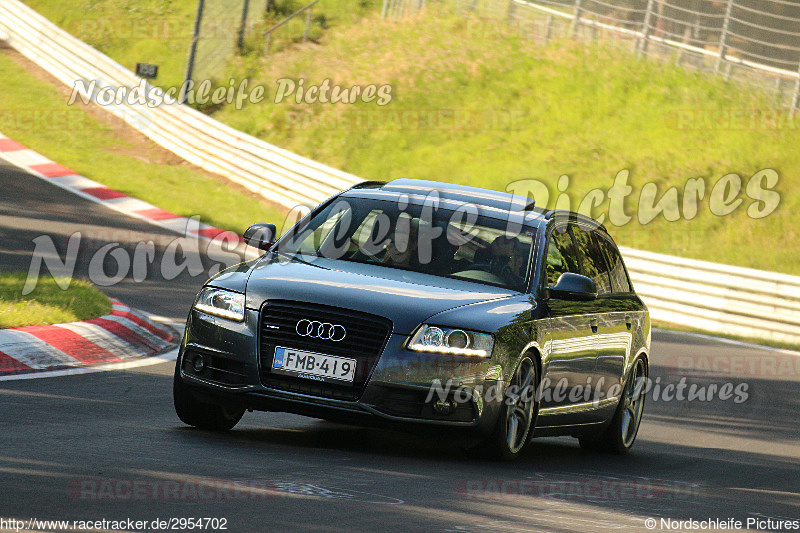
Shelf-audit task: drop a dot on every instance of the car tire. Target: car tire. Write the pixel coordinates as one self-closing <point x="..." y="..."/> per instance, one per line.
<point x="619" y="436"/>
<point x="509" y="438"/>
<point x="200" y="414"/>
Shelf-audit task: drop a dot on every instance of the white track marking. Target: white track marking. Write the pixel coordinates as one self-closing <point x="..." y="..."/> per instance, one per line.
<point x="108" y="367"/>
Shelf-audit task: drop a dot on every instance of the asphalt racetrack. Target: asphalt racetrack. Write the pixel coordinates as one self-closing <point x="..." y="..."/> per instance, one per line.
<point x="108" y="445"/>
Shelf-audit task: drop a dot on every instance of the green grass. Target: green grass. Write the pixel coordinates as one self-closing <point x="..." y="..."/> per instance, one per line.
<point x="325" y="15"/>
<point x="34" y="113"/>
<point x="48" y="303"/>
<point x="587" y="110"/>
<point x="160" y="31"/>
<point x="149" y="31"/>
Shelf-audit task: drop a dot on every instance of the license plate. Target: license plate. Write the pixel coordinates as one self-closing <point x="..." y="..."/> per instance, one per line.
<point x="312" y="365"/>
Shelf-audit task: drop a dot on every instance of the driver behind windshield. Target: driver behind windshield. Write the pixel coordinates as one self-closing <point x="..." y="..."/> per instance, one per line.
<point x="401" y="251"/>
<point x="377" y="232"/>
<point x="509" y="259"/>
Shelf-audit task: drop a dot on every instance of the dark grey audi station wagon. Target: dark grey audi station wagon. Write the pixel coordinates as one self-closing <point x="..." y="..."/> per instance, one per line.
<point x="421" y="305"/>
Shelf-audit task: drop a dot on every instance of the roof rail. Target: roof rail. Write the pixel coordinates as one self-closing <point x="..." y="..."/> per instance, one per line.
<point x="572" y="214"/>
<point x="563" y="212"/>
<point x="368" y="185"/>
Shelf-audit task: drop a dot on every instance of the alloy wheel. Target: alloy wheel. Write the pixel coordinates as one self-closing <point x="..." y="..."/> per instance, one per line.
<point x="634" y="403"/>
<point x="520" y="405"/>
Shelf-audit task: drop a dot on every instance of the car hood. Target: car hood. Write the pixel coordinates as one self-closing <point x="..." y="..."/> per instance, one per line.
<point x="406" y="298"/>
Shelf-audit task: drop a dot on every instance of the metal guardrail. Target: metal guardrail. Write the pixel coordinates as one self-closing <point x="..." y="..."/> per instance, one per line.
<point x="707" y="296"/>
<point x="717" y="298"/>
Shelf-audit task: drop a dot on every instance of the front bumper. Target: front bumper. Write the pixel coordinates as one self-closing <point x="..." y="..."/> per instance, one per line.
<point x="398" y="391"/>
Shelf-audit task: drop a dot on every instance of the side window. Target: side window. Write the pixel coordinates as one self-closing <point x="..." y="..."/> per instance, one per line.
<point x="619" y="276"/>
<point x="594" y="264"/>
<point x="561" y="256"/>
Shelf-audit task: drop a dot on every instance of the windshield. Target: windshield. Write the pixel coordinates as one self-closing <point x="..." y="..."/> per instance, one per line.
<point x="457" y="244"/>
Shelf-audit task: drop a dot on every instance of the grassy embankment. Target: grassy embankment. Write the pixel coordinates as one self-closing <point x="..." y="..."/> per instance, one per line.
<point x="91" y="142"/>
<point x="514" y="110"/>
<point x="522" y="111"/>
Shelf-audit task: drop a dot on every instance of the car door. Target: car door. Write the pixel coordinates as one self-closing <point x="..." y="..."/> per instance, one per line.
<point x="569" y="338"/>
<point x="622" y="317"/>
<point x="612" y="340"/>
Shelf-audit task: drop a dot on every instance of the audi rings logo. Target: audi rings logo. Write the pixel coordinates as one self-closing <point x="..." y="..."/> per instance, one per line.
<point x="320" y="330"/>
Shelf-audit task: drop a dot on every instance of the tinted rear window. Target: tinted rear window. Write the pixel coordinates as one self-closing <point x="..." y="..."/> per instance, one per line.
<point x="619" y="276"/>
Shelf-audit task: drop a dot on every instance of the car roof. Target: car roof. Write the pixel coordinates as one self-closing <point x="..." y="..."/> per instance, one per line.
<point x="490" y="203"/>
<point x="495" y="204"/>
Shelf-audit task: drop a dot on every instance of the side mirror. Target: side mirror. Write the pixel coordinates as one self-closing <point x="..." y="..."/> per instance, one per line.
<point x="261" y="235"/>
<point x="572" y="286"/>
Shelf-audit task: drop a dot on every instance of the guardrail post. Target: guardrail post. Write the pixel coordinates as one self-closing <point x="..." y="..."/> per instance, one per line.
<point x="795" y="105"/>
<point x="269" y="42"/>
<point x="723" y="45"/>
<point x="576" y="21"/>
<point x="308" y="23"/>
<point x="243" y="25"/>
<point x="511" y="9"/>
<point x="548" y="31"/>
<point x="645" y="39"/>
<point x="198" y="20"/>
<point x="687" y="34"/>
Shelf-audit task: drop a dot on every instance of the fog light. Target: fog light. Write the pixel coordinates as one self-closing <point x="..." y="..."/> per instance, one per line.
<point x="444" y="407"/>
<point x="198" y="364"/>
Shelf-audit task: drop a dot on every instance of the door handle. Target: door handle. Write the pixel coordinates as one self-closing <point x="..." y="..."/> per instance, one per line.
<point x="593" y="324"/>
<point x="628" y="322"/>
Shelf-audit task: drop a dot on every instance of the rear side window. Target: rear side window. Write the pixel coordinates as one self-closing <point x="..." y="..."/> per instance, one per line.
<point x="593" y="262"/>
<point x="561" y="256"/>
<point x="619" y="276"/>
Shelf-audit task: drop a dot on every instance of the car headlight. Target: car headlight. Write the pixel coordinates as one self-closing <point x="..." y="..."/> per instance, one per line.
<point x="453" y="341"/>
<point x="222" y="303"/>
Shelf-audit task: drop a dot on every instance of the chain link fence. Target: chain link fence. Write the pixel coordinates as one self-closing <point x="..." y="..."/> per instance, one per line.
<point x="401" y="8"/>
<point x="757" y="41"/>
<point x="221" y="27"/>
<point x="225" y="28"/>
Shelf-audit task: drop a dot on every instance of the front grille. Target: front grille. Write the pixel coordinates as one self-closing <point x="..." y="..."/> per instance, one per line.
<point x="366" y="336"/>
